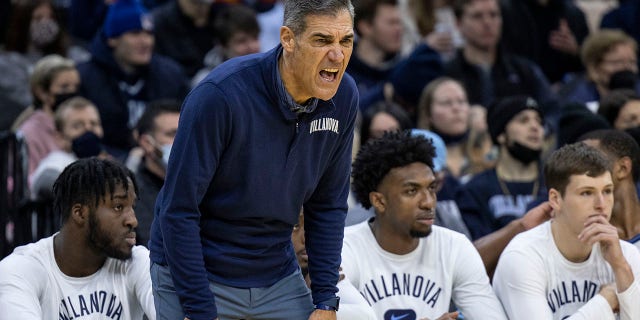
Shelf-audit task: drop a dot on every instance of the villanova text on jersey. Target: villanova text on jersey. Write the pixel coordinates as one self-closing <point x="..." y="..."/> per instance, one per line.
<point x="325" y="124"/>
<point x="98" y="302"/>
<point x="406" y="284"/>
<point x="571" y="292"/>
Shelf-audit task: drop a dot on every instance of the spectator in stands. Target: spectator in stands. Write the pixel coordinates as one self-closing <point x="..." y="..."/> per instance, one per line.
<point x="487" y="72"/>
<point x="574" y="121"/>
<point x="79" y="132"/>
<point x="433" y="23"/>
<point x="444" y="109"/>
<point x="87" y="16"/>
<point x="237" y="31"/>
<point x="548" y="32"/>
<point x="185" y="32"/>
<point x="406" y="81"/>
<point x="624" y="17"/>
<point x="54" y="80"/>
<point x="156" y="130"/>
<point x="379" y="28"/>
<point x="603" y="53"/>
<point x="35" y="30"/>
<point x="123" y="74"/>
<point x="91" y="268"/>
<point x="495" y="197"/>
<point x="621" y="108"/>
<point x="383" y="117"/>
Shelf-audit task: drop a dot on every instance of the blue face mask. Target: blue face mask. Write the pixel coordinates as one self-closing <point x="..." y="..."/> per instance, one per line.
<point x="166" y="150"/>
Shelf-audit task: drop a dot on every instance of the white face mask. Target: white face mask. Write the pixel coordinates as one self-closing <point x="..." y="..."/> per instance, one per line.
<point x="166" y="150"/>
<point x="44" y="32"/>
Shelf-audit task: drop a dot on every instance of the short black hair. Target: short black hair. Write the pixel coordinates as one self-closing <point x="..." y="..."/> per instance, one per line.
<point x="87" y="182"/>
<point x="391" y="108"/>
<point x="612" y="103"/>
<point x="366" y="10"/>
<point x="233" y="19"/>
<point x="618" y="144"/>
<point x="378" y="156"/>
<point x="154" y="109"/>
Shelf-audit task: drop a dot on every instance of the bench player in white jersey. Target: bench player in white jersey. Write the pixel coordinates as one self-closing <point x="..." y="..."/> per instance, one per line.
<point x="91" y="268"/>
<point x="403" y="265"/>
<point x="573" y="266"/>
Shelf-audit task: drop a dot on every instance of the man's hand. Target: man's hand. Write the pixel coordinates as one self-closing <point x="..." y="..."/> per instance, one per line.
<point x="598" y="229"/>
<point x="608" y="291"/>
<point x="446" y="316"/>
<point x="536" y="215"/>
<point x="440" y="41"/>
<point x="562" y="39"/>
<point x="322" y="315"/>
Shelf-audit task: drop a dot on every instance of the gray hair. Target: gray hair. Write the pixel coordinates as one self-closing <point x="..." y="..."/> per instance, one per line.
<point x="295" y="11"/>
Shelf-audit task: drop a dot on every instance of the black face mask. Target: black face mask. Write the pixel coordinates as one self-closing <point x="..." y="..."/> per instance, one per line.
<point x="451" y="139"/>
<point x="60" y="98"/>
<point x="523" y="154"/>
<point x="87" y="145"/>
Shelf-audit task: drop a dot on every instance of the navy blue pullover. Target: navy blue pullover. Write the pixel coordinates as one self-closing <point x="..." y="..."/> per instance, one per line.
<point x="241" y="167"/>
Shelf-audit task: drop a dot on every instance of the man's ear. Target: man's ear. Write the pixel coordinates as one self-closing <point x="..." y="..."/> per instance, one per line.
<point x="79" y="213"/>
<point x="377" y="201"/>
<point x="364" y="28"/>
<point x="287" y="38"/>
<point x="502" y="138"/>
<point x="622" y="168"/>
<point x="555" y="199"/>
<point x="112" y="42"/>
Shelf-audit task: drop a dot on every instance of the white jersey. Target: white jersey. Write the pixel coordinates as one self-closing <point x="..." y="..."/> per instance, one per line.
<point x="33" y="287"/>
<point x="444" y="267"/>
<point x="534" y="280"/>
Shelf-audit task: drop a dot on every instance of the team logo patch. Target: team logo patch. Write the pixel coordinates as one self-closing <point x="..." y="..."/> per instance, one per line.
<point x="400" y="314"/>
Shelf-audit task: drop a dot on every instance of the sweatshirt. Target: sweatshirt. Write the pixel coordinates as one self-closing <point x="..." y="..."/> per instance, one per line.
<point x="241" y="168"/>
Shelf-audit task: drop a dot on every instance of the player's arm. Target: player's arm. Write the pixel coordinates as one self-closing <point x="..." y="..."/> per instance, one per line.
<point x="491" y="246"/>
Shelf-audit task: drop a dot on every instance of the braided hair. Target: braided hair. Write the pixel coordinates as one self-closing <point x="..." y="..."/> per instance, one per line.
<point x="87" y="182"/>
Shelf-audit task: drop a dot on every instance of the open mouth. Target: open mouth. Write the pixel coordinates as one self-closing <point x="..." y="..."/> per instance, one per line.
<point x="329" y="75"/>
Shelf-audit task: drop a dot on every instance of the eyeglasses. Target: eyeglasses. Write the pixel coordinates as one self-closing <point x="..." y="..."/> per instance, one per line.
<point x="622" y="63"/>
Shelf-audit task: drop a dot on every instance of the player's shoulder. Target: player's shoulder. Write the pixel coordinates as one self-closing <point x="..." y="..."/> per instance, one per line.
<point x="31" y="259"/>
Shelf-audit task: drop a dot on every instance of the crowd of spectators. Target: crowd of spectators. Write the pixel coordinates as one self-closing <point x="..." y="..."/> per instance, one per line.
<point x="500" y="84"/>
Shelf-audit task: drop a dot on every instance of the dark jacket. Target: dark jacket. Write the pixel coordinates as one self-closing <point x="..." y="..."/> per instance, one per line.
<point x="625" y="17"/>
<point x="179" y="39"/>
<point x="149" y="185"/>
<point x="367" y="76"/>
<point x="510" y="75"/>
<point x="485" y="206"/>
<point x="527" y="27"/>
<point x="101" y="78"/>
<point x="242" y="166"/>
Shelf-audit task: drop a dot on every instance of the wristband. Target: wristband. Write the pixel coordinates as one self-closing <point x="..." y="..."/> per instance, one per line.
<point x="326" y="306"/>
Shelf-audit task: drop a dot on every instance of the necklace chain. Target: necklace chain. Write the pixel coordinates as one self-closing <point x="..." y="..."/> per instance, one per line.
<point x="505" y="190"/>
